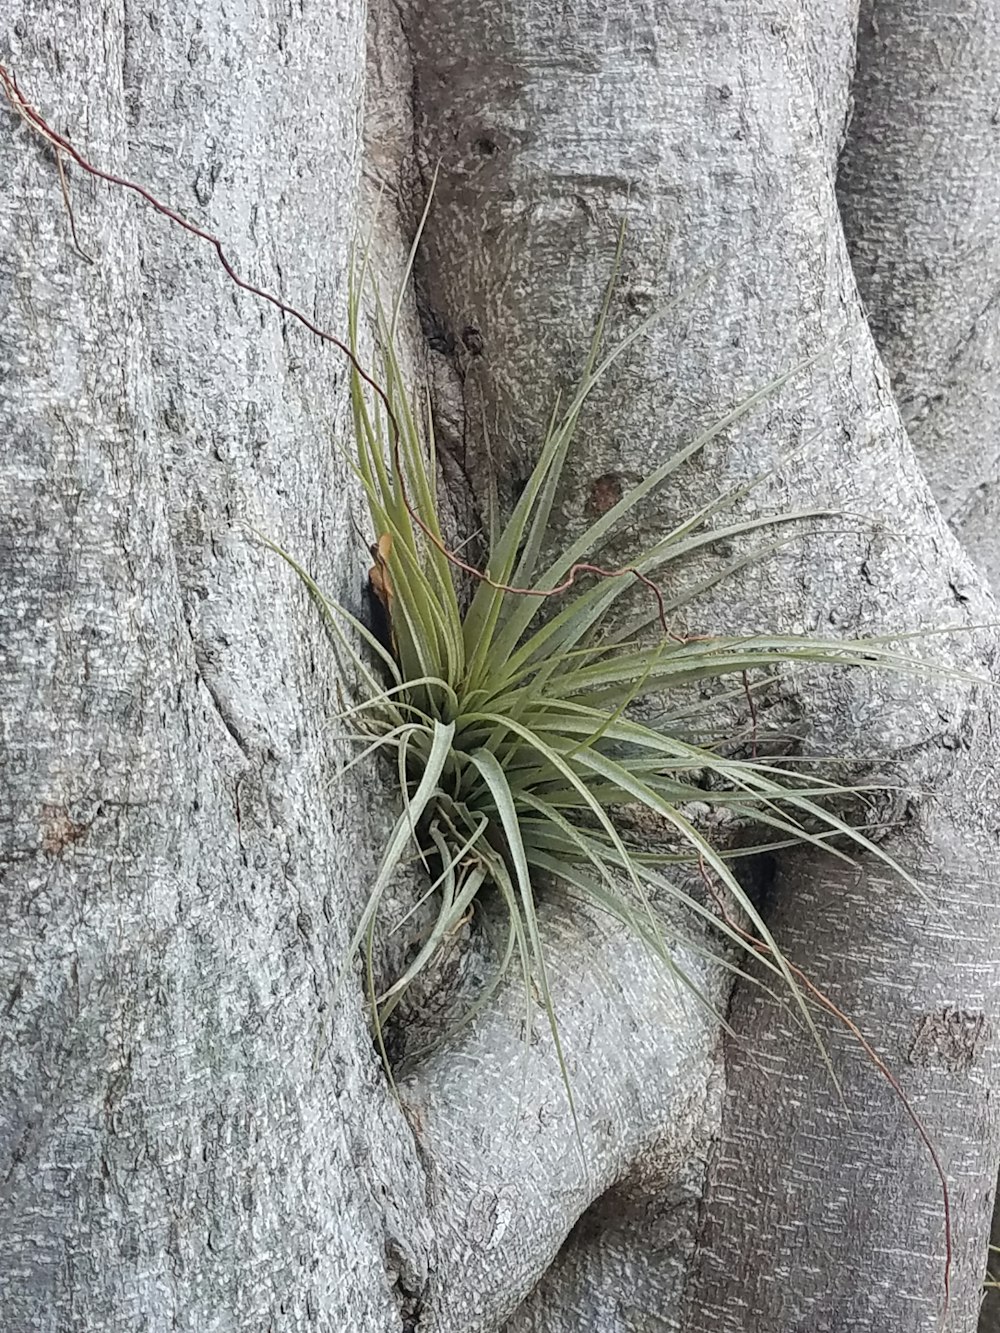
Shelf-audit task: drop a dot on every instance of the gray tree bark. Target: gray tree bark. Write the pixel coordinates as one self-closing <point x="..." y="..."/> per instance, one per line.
<point x="195" y="1132"/>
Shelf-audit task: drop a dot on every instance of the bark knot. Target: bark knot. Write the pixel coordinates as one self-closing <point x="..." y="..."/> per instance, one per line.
<point x="951" y="1037"/>
<point x="59" y="831"/>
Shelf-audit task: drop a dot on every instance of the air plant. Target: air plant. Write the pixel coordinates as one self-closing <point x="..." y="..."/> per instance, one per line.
<point x="510" y="715"/>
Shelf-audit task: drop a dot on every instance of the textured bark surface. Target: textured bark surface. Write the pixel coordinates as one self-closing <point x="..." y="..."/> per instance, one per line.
<point x="191" y="1135"/>
<point x="716" y="132"/>
<point x="194" y="1130"/>
<point x="920" y="193"/>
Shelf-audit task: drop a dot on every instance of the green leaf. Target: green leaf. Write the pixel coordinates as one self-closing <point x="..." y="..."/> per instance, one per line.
<point x="494" y="778"/>
<point x="404" y="827"/>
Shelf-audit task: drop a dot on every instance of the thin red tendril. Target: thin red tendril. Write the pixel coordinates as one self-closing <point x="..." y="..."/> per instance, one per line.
<point x="34" y="119"/>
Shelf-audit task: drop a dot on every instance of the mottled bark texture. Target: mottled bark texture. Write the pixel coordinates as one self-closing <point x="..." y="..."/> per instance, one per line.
<point x="919" y="188"/>
<point x="715" y="129"/>
<point x="191" y="1135"/>
<point x="195" y="1130"/>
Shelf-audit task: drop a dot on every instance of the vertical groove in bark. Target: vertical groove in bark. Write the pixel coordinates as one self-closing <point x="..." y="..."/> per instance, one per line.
<point x="830" y="39"/>
<point x="919" y="188"/>
<point x="989" y="1317"/>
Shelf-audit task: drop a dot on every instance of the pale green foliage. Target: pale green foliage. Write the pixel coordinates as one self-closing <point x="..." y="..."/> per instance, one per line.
<point x="510" y="721"/>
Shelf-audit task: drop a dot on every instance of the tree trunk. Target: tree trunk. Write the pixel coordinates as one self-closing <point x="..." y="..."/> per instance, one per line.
<point x="195" y="1130"/>
<point x="193" y="1135"/>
